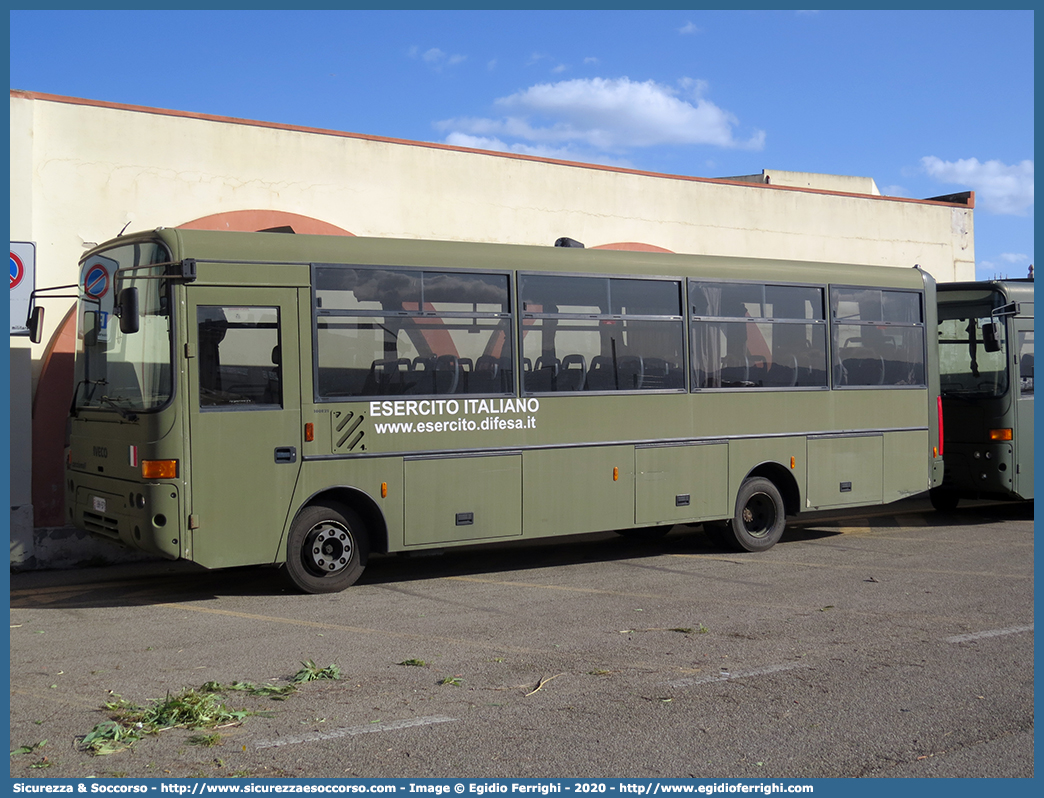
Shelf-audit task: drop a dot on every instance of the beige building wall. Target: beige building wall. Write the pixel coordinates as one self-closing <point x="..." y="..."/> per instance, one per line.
<point x="81" y="171"/>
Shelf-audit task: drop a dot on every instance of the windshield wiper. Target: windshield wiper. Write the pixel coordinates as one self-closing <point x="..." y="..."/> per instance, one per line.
<point x="111" y="402"/>
<point x="73" y="407"/>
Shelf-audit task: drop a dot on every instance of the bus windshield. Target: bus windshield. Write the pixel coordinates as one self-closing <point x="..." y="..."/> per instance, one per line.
<point x="973" y="349"/>
<point x="124" y="372"/>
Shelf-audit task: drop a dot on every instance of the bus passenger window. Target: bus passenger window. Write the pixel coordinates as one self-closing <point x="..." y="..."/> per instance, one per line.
<point x="601" y="334"/>
<point x="394" y="332"/>
<point x="878" y="337"/>
<point x="747" y="335"/>
<point x="239" y="357"/>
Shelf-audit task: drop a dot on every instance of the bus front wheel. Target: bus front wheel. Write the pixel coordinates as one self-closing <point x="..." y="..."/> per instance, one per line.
<point x="758" y="522"/>
<point x="327" y="548"/>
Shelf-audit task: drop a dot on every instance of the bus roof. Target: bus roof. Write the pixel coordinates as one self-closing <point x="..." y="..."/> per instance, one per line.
<point x="1019" y="290"/>
<point x="302" y="250"/>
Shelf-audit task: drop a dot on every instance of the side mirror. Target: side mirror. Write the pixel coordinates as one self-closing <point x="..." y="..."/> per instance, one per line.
<point x="129" y="310"/>
<point x="35" y="324"/>
<point x="989" y="338"/>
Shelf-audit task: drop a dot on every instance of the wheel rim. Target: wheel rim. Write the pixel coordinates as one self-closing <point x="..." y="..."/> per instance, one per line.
<point x="759" y="515"/>
<point x="328" y="548"/>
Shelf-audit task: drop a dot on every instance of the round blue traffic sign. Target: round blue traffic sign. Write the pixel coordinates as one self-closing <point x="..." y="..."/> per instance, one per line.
<point x="96" y="283"/>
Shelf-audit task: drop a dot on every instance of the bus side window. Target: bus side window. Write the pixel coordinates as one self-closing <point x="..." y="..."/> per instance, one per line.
<point x="588" y="333"/>
<point x="239" y="357"/>
<point x="399" y="331"/>
<point x="878" y="337"/>
<point x="1026" y="363"/>
<point x="751" y="336"/>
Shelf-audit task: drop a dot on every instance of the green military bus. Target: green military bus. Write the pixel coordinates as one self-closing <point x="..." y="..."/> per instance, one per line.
<point x="304" y="401"/>
<point x="986" y="381"/>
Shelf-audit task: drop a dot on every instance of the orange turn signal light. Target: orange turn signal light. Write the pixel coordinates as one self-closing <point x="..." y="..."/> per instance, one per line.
<point x="309" y="432"/>
<point x="384" y="490"/>
<point x="159" y="469"/>
<point x="1000" y="434"/>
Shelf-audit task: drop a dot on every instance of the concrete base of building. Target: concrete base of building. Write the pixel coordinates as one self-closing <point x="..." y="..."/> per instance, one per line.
<point x="53" y="548"/>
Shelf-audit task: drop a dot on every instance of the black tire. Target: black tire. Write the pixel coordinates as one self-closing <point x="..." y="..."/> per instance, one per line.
<point x="944" y="500"/>
<point x="327" y="548"/>
<point x="760" y="516"/>
<point x="645" y="533"/>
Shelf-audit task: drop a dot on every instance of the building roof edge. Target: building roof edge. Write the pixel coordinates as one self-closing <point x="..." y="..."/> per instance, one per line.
<point x="964" y="199"/>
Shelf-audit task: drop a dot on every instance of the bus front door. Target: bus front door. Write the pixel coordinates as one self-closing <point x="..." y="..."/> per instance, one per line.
<point x="1023" y="483"/>
<point x="244" y="421"/>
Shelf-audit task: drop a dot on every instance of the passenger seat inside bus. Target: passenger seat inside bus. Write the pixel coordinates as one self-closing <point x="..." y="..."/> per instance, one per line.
<point x="572" y="376"/>
<point x="861" y="365"/>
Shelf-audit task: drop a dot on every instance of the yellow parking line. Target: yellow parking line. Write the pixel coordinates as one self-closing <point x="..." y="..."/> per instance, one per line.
<point x="566" y="588"/>
<point x="856" y="531"/>
<point x="765" y="562"/>
<point x="351" y="629"/>
<point x="65" y="590"/>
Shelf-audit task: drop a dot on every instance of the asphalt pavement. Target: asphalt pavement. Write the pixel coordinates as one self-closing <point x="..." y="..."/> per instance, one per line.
<point x="892" y="644"/>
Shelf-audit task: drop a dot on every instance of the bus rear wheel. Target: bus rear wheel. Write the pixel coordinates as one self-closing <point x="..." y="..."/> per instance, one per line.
<point x="327" y="548"/>
<point x="944" y="500"/>
<point x="760" y="517"/>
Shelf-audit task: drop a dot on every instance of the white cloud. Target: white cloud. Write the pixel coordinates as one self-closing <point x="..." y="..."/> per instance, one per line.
<point x="609" y="116"/>
<point x="541" y="58"/>
<point x="894" y="191"/>
<point x="688" y="28"/>
<point x="1008" y="264"/>
<point x="1014" y="257"/>
<point x="998" y="187"/>
<point x="436" y="59"/>
<point x="495" y="144"/>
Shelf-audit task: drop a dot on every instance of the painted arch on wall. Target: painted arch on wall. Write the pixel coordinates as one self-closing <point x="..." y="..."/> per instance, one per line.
<point x="253" y="221"/>
<point x="633" y="246"/>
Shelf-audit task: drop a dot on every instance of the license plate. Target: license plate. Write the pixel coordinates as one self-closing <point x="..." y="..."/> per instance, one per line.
<point x="99" y="504"/>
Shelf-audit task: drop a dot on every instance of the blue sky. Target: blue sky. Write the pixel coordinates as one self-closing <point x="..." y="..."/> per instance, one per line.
<point x="926" y="103"/>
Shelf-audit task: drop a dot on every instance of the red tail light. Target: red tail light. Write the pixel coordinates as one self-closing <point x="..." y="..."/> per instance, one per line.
<point x="939" y="400"/>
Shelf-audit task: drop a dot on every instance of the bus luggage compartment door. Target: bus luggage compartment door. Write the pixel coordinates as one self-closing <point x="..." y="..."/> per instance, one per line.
<point x="571" y="491"/>
<point x="845" y="470"/>
<point x="681" y="483"/>
<point x="455" y="499"/>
